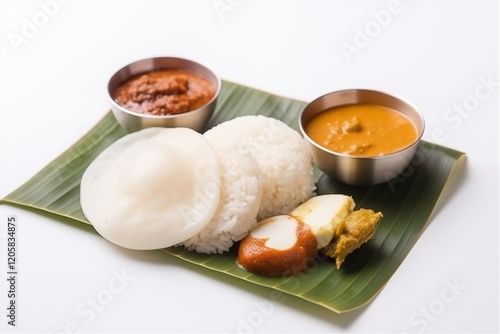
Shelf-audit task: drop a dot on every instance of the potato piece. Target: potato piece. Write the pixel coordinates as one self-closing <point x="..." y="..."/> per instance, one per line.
<point x="350" y="234"/>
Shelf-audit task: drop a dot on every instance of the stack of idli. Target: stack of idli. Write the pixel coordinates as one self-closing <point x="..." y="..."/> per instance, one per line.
<point x="163" y="187"/>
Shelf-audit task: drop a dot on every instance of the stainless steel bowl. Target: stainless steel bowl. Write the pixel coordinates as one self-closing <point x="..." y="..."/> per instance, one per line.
<point x="133" y="121"/>
<point x="355" y="170"/>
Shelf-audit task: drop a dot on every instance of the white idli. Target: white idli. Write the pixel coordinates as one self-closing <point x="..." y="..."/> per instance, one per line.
<point x="240" y="200"/>
<point x="153" y="188"/>
<point x="282" y="156"/>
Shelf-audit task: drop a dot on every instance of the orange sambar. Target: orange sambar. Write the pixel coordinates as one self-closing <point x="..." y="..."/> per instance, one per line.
<point x="362" y="130"/>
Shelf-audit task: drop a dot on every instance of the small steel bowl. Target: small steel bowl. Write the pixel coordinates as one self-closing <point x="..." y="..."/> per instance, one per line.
<point x="356" y="170"/>
<point x="133" y="121"/>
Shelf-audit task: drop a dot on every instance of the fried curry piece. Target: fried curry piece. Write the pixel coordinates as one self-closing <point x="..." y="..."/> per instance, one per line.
<point x="351" y="233"/>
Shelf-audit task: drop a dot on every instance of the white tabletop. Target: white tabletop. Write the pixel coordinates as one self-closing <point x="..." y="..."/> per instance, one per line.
<point x="56" y="58"/>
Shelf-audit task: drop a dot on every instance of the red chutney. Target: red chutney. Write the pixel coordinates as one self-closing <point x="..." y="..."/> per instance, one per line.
<point x="164" y="92"/>
<point x="256" y="257"/>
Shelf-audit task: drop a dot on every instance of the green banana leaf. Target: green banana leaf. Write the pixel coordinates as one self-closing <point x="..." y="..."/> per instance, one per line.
<point x="406" y="202"/>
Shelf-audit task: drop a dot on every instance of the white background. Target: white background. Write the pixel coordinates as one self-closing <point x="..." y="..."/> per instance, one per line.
<point x="56" y="58"/>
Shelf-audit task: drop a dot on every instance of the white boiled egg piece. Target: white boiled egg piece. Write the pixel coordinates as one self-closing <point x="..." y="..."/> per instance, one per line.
<point x="279" y="232"/>
<point x="323" y="213"/>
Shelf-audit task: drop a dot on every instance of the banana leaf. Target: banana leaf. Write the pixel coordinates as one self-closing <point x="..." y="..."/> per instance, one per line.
<point x="407" y="203"/>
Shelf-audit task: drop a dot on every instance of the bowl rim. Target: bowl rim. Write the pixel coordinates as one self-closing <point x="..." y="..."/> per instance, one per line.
<point x="114" y="104"/>
<point x="420" y="115"/>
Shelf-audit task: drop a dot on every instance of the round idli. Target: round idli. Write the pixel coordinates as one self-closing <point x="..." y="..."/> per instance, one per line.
<point x="240" y="197"/>
<point x="284" y="161"/>
<point x="153" y="188"/>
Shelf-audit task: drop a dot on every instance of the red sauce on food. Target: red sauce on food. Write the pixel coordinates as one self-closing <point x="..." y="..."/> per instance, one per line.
<point x="256" y="257"/>
<point x="165" y="92"/>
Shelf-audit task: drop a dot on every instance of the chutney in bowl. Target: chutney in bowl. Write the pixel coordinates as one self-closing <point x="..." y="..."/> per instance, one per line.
<point x="163" y="92"/>
<point x="362" y="130"/>
<point x="360" y="136"/>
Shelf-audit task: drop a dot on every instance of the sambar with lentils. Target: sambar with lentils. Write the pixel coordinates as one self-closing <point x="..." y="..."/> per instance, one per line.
<point x="363" y="129"/>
